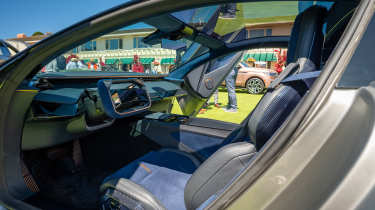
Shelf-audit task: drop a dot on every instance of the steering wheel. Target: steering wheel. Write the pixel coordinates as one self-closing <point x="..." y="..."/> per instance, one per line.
<point x="123" y="102"/>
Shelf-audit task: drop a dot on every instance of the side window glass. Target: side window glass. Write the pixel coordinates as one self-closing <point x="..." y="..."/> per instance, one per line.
<point x="249" y="80"/>
<point x="360" y="70"/>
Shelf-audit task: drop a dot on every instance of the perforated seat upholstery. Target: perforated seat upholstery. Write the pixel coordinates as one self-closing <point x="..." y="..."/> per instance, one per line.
<point x="305" y="50"/>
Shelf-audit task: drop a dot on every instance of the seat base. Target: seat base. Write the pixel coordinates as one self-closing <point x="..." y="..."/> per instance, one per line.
<point x="163" y="173"/>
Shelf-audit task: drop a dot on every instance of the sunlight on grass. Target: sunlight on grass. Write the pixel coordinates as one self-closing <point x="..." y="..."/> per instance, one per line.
<point x="246" y="103"/>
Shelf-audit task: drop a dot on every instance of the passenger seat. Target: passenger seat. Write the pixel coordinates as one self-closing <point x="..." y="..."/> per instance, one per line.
<point x="171" y="179"/>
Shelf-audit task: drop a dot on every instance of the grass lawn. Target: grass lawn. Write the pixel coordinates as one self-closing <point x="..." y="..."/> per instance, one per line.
<point x="246" y="103"/>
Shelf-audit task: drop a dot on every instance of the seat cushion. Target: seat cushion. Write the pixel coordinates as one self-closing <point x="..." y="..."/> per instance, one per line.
<point x="163" y="173"/>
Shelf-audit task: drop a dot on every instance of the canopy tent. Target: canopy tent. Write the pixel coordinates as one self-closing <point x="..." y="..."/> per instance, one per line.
<point x="87" y="60"/>
<point x="111" y="61"/>
<point x="129" y="60"/>
<point x="260" y="57"/>
<point x="147" y="60"/>
<point x="126" y="60"/>
<point x="167" y="61"/>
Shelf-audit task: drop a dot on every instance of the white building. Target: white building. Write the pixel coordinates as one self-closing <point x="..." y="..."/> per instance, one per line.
<point x="118" y="48"/>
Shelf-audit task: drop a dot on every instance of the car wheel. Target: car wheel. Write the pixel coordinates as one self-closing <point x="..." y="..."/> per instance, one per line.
<point x="255" y="85"/>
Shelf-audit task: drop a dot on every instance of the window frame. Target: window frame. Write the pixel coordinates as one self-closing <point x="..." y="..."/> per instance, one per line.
<point x="109" y="44"/>
<point x="89" y="46"/>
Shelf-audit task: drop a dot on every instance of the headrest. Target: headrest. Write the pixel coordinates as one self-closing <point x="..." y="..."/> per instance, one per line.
<point x="337" y="19"/>
<point x="306" y="39"/>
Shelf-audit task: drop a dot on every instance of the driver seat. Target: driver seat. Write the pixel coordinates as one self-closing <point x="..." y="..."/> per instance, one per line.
<point x="172" y="179"/>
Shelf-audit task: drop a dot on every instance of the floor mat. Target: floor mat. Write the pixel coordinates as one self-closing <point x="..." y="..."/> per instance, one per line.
<point x="78" y="191"/>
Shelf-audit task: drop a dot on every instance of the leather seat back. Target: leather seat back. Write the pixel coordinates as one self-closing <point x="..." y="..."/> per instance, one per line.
<point x="306" y="39"/>
<point x="216" y="172"/>
<point x="304" y="49"/>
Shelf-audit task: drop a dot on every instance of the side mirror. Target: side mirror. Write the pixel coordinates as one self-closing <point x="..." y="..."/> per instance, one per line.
<point x="123" y="98"/>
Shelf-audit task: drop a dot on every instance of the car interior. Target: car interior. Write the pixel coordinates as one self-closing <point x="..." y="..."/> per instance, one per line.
<point x="111" y="142"/>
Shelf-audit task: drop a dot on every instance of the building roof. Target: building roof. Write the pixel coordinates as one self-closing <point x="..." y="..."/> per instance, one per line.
<point x="131" y="31"/>
<point x="29" y="39"/>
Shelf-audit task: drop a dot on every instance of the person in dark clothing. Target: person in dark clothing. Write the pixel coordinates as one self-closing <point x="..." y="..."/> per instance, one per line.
<point x="230" y="82"/>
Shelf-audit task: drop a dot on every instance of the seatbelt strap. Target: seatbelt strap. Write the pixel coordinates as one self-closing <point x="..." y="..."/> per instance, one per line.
<point x="285" y="73"/>
<point x="300" y="82"/>
<point x="301" y="76"/>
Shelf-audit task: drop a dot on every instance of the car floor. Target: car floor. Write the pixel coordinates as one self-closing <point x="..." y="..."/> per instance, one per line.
<point x="64" y="185"/>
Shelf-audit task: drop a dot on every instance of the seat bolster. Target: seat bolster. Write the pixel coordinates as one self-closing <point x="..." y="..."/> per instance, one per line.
<point x="216" y="172"/>
<point x="125" y="193"/>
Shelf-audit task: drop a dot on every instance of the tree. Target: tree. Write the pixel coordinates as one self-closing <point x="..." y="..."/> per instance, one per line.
<point x="37" y="33"/>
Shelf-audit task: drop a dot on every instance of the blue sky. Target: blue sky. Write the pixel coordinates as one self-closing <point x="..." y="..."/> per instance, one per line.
<point x="29" y="16"/>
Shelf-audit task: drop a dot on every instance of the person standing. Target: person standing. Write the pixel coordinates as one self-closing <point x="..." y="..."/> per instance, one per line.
<point x="101" y="64"/>
<point x="157" y="68"/>
<point x="51" y="66"/>
<point x="230" y="83"/>
<point x="281" y="60"/>
<point x="73" y="64"/>
<point x="137" y="66"/>
<point x="91" y="65"/>
<point x="216" y="102"/>
<point x="216" y="98"/>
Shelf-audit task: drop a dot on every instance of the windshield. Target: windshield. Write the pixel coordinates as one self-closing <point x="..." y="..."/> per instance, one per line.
<point x="247" y="20"/>
<point x="197" y="18"/>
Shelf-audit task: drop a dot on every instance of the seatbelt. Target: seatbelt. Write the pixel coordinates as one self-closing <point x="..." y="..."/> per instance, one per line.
<point x="300" y="82"/>
<point x="301" y="76"/>
<point x="286" y="72"/>
<point x="242" y="133"/>
<point x="297" y="81"/>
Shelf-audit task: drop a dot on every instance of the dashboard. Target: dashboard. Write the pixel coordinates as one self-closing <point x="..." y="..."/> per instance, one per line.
<point x="62" y="111"/>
